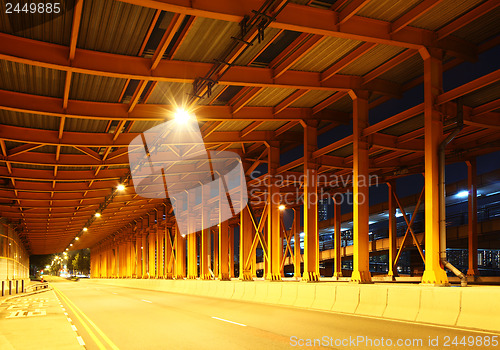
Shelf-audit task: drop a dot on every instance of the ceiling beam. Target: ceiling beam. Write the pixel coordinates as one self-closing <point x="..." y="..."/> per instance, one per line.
<point x="346" y="60"/>
<point x="416" y="12"/>
<point x="351" y="9"/>
<point x="36" y="53"/>
<point x="467" y="18"/>
<point x="298" y="18"/>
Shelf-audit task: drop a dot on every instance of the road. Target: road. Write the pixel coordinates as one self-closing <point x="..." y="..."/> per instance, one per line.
<point x="110" y="317"/>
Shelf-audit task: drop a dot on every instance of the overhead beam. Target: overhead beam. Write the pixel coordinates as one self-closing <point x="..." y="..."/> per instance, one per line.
<point x="41" y="54"/>
<point x="346" y="60"/>
<point x="351" y="9"/>
<point x="298" y="18"/>
<point x="467" y="18"/>
<point x="416" y="12"/>
<point x="34" y="104"/>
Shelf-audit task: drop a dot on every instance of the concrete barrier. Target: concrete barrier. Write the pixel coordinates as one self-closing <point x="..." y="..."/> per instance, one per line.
<point x="306" y="292"/>
<point x="239" y="290"/>
<point x="261" y="291"/>
<point x="480" y="307"/>
<point x="288" y="293"/>
<point x="325" y="296"/>
<point x="274" y="291"/>
<point x="372" y="300"/>
<point x="346" y="298"/>
<point x="440" y="306"/>
<point x="403" y="303"/>
<point x="204" y="288"/>
<point x="227" y="289"/>
<point x="249" y="294"/>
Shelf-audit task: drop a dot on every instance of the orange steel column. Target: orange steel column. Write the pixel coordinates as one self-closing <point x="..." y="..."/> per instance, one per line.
<point x="138" y="253"/>
<point x="296" y="243"/>
<point x="169" y="258"/>
<point x="152" y="251"/>
<point x="393" y="248"/>
<point x="472" y="217"/>
<point x="180" y="254"/>
<point x="216" y="252"/>
<point x="231" y="251"/>
<point x="224" y="251"/>
<point x="144" y="251"/>
<point x="205" y="236"/>
<point x="192" y="254"/>
<point x="361" y="255"/>
<point x="311" y="234"/>
<point x="246" y="239"/>
<point x="337" y="217"/>
<point x="433" y="128"/>
<point x="273" y="272"/>
<point x="160" y="244"/>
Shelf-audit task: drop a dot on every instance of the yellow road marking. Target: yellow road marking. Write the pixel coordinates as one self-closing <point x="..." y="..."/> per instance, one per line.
<point x="101" y="333"/>
<point x="92" y="335"/>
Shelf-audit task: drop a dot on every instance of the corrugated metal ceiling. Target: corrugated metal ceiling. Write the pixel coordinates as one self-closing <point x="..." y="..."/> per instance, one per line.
<point x="114" y="26"/>
<point x="327" y="52"/>
<point x="371" y="59"/>
<point x="270" y="97"/>
<point x="206" y="40"/>
<point x="312" y="98"/>
<point x="96" y="88"/>
<point x="387" y="10"/>
<point x="21" y="77"/>
<point x="444" y="13"/>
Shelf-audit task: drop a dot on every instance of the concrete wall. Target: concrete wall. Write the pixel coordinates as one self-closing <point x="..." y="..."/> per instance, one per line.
<point x="461" y="307"/>
<point x="14" y="259"/>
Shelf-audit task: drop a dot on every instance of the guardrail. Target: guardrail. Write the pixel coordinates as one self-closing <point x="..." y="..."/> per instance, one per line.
<point x="36" y="286"/>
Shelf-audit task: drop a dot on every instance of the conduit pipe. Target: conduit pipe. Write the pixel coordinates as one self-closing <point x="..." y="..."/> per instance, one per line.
<point x="442" y="195"/>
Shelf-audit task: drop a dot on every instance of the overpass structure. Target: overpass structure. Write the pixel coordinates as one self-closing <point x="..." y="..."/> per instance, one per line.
<point x="274" y="82"/>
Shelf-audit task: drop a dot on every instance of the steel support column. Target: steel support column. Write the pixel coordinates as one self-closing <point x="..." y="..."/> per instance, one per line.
<point x="360" y="180"/>
<point x="246" y="239"/>
<point x="296" y="243"/>
<point x="433" y="128"/>
<point x="337" y="263"/>
<point x="231" y="251"/>
<point x="205" y="239"/>
<point x="152" y="252"/>
<point x="160" y="246"/>
<point x="273" y="215"/>
<point x="472" y="216"/>
<point x="393" y="248"/>
<point x="215" y="237"/>
<point x="169" y="253"/>
<point x="311" y="234"/>
<point x="180" y="254"/>
<point x="223" y="251"/>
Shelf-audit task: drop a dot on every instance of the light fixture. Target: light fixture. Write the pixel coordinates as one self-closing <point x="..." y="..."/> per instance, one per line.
<point x="282" y="207"/>
<point x="77" y="238"/>
<point x="182" y="116"/>
<point x="66" y="249"/>
<point x="97" y="215"/>
<point x="85" y="229"/>
<point x="71" y="245"/>
<point x="462" y="194"/>
<point x="120" y="187"/>
<point x="183" y="235"/>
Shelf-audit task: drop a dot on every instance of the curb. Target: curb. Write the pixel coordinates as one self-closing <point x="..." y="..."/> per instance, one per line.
<point x="25" y="294"/>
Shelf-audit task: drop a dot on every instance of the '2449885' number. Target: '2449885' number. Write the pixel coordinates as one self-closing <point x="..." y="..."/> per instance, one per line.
<point x="33" y="7"/>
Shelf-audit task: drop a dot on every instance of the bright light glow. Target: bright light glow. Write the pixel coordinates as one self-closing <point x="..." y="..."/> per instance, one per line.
<point x="183" y="235"/>
<point x="182" y="116"/>
<point x="77" y="238"/>
<point x="71" y="245"/>
<point x="462" y="194"/>
<point x="371" y="222"/>
<point x="85" y="229"/>
<point x="281" y="207"/>
<point x="66" y="249"/>
<point x="97" y="215"/>
<point x="120" y="187"/>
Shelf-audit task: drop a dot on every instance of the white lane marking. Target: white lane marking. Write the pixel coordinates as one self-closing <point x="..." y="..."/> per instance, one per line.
<point x="114" y="293"/>
<point x="73" y="327"/>
<point x="147" y="301"/>
<point x="69" y="319"/>
<point x="65" y="314"/>
<point x="221" y="319"/>
<point x="80" y="341"/>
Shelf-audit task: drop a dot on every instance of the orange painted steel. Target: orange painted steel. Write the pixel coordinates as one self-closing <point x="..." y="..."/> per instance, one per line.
<point x="393" y="271"/>
<point x="433" y="84"/>
<point x="416" y="12"/>
<point x="361" y="268"/>
<point x="346" y="60"/>
<point x="311" y="234"/>
<point x="273" y="271"/>
<point x="337" y="261"/>
<point x="297" y="54"/>
<point x="472" y="217"/>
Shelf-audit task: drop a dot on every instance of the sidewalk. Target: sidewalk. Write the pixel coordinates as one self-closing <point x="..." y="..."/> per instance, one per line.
<point x="36" y="321"/>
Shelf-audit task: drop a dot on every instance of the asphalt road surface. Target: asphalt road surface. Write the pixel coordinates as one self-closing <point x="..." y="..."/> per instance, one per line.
<point x="110" y="317"/>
